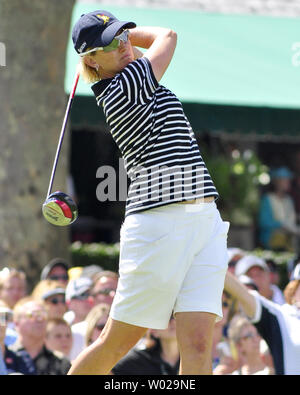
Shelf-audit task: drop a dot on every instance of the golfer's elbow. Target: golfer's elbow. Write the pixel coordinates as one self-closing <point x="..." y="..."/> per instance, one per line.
<point x="171" y="35"/>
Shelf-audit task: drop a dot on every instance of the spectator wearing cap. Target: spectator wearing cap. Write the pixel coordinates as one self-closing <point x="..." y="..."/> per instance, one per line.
<point x="277" y="215"/>
<point x="86" y="271"/>
<point x="234" y="254"/>
<point x="78" y="299"/>
<point x="57" y="270"/>
<point x="52" y="293"/>
<point x="102" y="288"/>
<point x="257" y="269"/>
<point x="80" y="302"/>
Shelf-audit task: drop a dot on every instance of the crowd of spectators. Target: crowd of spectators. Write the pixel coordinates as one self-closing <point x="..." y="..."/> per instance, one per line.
<point x="42" y="332"/>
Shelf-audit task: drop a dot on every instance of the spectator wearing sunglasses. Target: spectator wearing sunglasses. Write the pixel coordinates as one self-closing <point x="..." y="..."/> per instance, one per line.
<point x="279" y="325"/>
<point x="104" y="287"/>
<point x="57" y="270"/>
<point x="102" y="290"/>
<point x="245" y="338"/>
<point x="80" y="302"/>
<point x="52" y="293"/>
<point x="29" y="355"/>
<point x="78" y="299"/>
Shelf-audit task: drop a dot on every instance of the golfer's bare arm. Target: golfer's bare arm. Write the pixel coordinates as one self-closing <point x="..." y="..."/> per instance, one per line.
<point x="160" y="44"/>
<point x="239" y="291"/>
<point x="137" y="53"/>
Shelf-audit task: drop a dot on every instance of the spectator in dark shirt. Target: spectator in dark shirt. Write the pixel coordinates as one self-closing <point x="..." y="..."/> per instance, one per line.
<point x="160" y="356"/>
<point x="29" y="354"/>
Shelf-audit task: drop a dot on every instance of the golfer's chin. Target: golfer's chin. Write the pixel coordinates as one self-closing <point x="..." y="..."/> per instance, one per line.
<point x="126" y="59"/>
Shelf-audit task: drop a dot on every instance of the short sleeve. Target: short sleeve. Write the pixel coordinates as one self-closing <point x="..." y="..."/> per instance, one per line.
<point x="258" y="309"/>
<point x="138" y="81"/>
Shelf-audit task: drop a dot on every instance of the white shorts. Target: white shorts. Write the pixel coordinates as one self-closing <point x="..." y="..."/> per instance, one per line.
<point x="172" y="259"/>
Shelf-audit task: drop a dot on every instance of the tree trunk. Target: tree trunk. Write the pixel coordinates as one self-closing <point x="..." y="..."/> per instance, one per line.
<point x="33" y="102"/>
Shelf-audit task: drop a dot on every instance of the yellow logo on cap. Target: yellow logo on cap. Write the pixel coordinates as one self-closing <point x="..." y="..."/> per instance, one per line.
<point x="105" y="18"/>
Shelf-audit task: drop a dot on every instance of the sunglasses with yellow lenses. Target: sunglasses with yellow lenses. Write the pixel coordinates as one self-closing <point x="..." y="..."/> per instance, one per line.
<point x="113" y="45"/>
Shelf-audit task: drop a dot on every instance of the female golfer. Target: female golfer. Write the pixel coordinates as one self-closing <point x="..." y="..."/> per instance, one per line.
<point x="173" y="256"/>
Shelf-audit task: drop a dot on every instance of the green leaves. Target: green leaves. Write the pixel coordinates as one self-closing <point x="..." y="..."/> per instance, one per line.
<point x="102" y="254"/>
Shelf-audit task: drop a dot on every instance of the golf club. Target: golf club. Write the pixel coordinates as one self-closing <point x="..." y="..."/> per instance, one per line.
<point x="59" y="208"/>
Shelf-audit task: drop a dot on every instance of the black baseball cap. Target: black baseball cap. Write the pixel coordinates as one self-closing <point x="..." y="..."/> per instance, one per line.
<point x="53" y="263"/>
<point x="96" y="29"/>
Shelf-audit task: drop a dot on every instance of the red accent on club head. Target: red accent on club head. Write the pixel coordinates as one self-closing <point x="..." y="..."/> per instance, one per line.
<point x="65" y="208"/>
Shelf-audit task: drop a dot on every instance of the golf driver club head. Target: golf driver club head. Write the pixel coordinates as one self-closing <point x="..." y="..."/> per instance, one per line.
<point x="59" y="209"/>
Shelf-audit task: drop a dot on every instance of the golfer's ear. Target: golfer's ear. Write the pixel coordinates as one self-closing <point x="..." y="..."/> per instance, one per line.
<point x="90" y="61"/>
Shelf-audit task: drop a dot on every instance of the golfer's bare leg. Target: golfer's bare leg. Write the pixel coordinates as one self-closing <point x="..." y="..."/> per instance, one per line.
<point x="116" y="339"/>
<point x="195" y="336"/>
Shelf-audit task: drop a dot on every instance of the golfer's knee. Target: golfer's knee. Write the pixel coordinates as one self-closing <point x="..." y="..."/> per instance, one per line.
<point x="196" y="347"/>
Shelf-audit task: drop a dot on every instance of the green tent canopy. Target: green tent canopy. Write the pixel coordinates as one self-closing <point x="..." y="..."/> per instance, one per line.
<point x="235" y="60"/>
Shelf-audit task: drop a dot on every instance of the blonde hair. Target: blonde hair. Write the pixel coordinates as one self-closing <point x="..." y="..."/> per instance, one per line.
<point x="89" y="74"/>
<point x="44" y="286"/>
<point x="97" y="312"/>
<point x="236" y="326"/>
<point x="290" y="291"/>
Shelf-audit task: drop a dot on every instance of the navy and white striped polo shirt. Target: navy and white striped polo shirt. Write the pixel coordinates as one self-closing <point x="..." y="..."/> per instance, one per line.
<point x="160" y="152"/>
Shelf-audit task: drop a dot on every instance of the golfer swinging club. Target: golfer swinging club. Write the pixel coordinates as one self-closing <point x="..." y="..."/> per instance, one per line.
<point x="173" y="254"/>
